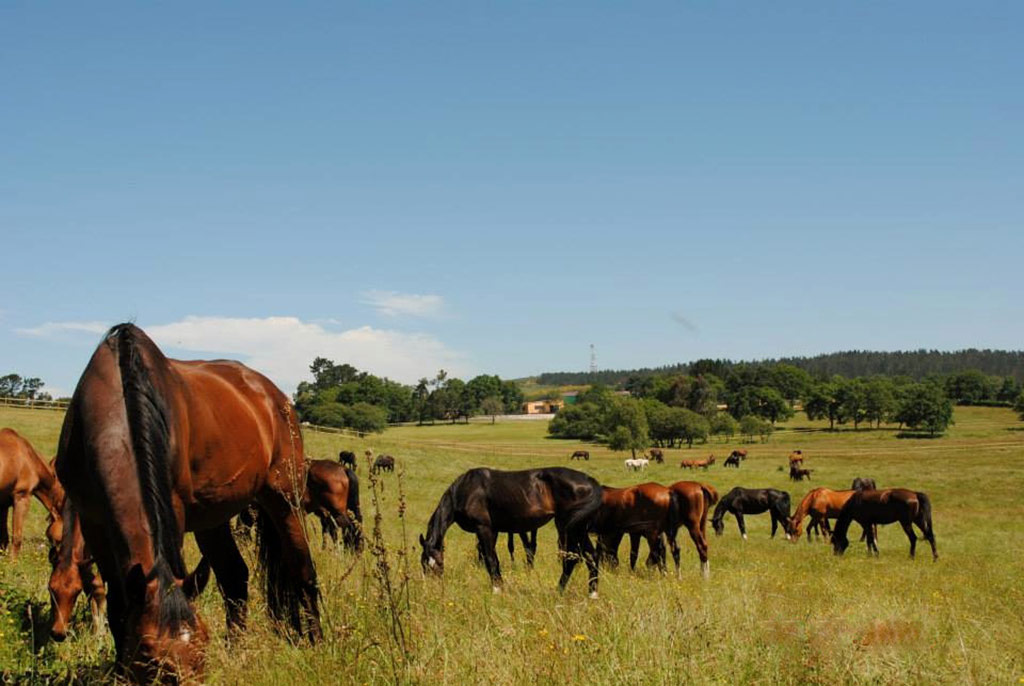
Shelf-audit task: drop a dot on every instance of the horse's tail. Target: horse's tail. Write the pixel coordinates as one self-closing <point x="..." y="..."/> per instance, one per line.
<point x="283" y="589"/>
<point x="710" y="498"/>
<point x="926" y="512"/>
<point x="352" y="505"/>
<point x="148" y="427"/>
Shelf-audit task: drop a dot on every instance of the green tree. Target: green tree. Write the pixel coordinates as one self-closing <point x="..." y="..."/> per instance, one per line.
<point x="750" y="426"/>
<point x="512" y="396"/>
<point x="366" y="418"/>
<point x="1018" y="405"/>
<point x="492" y="405"/>
<point x="925" y="406"/>
<point x="626" y="425"/>
<point x="851" y="396"/>
<point x="821" y="403"/>
<point x="722" y="424"/>
<point x="693" y="427"/>
<point x="879" y="400"/>
<point x="970" y="387"/>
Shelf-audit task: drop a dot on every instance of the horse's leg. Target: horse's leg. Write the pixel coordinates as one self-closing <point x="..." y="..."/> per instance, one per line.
<point x="5" y="539"/>
<point x="700" y="542"/>
<point x="530" y="548"/>
<point x="511" y="548"/>
<point x="21" y="505"/>
<point x="869" y="534"/>
<point x="909" y="530"/>
<point x="297" y="576"/>
<point x="97" y="591"/>
<point x="673" y="545"/>
<point x="925" y="526"/>
<point x="485" y="541"/>
<point x="741" y="524"/>
<point x="775" y="522"/>
<point x="95" y="540"/>
<point x="634" y="549"/>
<point x="218" y="546"/>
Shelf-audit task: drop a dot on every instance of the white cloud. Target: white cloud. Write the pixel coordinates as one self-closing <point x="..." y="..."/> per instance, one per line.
<point x="393" y="304"/>
<point x="283" y="347"/>
<point x="53" y="329"/>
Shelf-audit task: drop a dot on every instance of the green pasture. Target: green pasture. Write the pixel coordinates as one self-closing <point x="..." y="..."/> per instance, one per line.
<point x="772" y="613"/>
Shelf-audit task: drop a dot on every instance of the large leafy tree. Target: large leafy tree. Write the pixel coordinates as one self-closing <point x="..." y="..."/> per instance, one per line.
<point x="924" y="406"/>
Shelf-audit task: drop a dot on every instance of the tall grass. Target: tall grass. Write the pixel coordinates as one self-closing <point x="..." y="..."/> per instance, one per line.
<point x="772" y="612"/>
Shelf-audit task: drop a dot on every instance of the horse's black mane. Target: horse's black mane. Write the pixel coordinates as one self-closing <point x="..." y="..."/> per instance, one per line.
<point x="150" y="437"/>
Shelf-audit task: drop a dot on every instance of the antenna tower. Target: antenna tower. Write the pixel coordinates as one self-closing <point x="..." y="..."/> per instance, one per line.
<point x="593" y="359"/>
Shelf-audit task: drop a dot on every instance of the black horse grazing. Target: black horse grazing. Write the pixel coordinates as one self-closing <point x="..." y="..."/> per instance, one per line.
<point x="383" y="463"/>
<point x="885" y="507"/>
<point x="487" y="502"/>
<point x="347" y="458"/>
<point x="798" y="474"/>
<point x="864" y="484"/>
<point x="741" y="501"/>
<point x="733" y="460"/>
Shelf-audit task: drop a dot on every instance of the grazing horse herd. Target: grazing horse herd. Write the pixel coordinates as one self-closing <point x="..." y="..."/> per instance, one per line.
<point x="145" y="455"/>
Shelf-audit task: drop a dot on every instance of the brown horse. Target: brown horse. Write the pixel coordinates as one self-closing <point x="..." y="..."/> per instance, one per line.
<point x="869" y="508"/>
<point x="820" y="504"/>
<point x="657" y="454"/>
<point x="72" y="573"/>
<point x="691" y="501"/>
<point x="347" y="458"/>
<point x="153" y="447"/>
<point x="694" y="464"/>
<point x="580" y="455"/>
<point x="332" y="494"/>
<point x="642" y="511"/>
<point x="383" y="463"/>
<point x="23" y="474"/>
<point x="798" y="474"/>
<point x="796" y="458"/>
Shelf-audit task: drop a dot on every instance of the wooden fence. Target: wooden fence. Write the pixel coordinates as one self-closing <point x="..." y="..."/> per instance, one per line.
<point x="34" y="404"/>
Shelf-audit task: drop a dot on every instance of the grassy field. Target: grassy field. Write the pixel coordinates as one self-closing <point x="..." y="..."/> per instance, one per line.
<point x="772" y="612"/>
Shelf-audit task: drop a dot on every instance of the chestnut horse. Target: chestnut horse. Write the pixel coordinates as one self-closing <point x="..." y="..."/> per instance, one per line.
<point x="487" y="502"/>
<point x="820" y="504"/>
<point x="869" y="508"/>
<point x="642" y="511"/>
<point x="796" y="458"/>
<point x="694" y="464"/>
<point x="691" y="501"/>
<point x="23" y="474"/>
<point x="153" y="447"/>
<point x="332" y="494"/>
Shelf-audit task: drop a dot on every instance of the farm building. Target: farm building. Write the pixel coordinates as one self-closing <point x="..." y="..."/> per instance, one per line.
<point x="542" y="406"/>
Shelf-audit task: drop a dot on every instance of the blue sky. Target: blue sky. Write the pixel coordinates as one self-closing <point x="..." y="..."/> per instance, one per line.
<point x="492" y="187"/>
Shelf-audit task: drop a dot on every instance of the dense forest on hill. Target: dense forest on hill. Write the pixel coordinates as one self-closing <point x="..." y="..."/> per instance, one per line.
<point x="915" y="364"/>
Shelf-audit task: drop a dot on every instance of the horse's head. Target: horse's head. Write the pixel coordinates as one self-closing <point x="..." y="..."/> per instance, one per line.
<point x="718" y="524"/>
<point x="65" y="585"/>
<point x="432" y="557"/>
<point x="166" y="639"/>
<point x="839" y="542"/>
<point x="794" y="527"/>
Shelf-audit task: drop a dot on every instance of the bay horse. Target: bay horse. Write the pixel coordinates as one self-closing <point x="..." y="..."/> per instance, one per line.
<point x="580" y="455"/>
<point x="798" y="474"/>
<point x="739" y="453"/>
<point x="732" y="461"/>
<point x="383" y="463"/>
<point x="486" y="502"/>
<point x="820" y="504"/>
<point x="869" y="508"/>
<point x="694" y="464"/>
<point x="642" y="511"/>
<point x="863" y="484"/>
<point x="657" y="454"/>
<point x="332" y="494"/>
<point x="153" y="447"/>
<point x="752" y="501"/>
<point x="23" y="474"/>
<point x="796" y="458"/>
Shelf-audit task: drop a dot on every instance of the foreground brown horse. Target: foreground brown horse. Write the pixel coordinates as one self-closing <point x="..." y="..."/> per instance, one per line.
<point x="153" y="447"/>
<point x="23" y="474"/>
<point x="691" y="501"/>
<point x="486" y="502"/>
<point x="820" y="504"/>
<point x="869" y="508"/>
<point x="642" y="511"/>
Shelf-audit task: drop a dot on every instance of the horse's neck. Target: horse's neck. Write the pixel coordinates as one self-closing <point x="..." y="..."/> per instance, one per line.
<point x="49" y="491"/>
<point x="804" y="507"/>
<point x="441" y="520"/>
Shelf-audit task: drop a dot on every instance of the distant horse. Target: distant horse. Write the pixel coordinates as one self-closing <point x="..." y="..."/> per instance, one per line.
<point x="820" y="504"/>
<point x="153" y="447"/>
<point x="529" y="541"/>
<point x="332" y="494"/>
<point x="752" y="501"/>
<point x="23" y="474"/>
<point x="347" y="458"/>
<point x="739" y="453"/>
<point x="797" y="474"/>
<point x="636" y="464"/>
<point x="796" y="458"/>
<point x="657" y="454"/>
<point x="864" y="484"/>
<point x="694" y="464"/>
<point x="640" y="511"/>
<point x="487" y="501"/>
<point x="580" y="455"/>
<point x="691" y="502"/>
<point x="732" y="461"/>
<point x="383" y="463"/>
<point x="869" y="508"/>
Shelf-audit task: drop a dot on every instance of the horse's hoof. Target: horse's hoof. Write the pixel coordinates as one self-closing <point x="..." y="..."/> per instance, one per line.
<point x="496" y="590"/>
<point x="593" y="595"/>
<point x="744" y="537"/>
<point x="705" y="569"/>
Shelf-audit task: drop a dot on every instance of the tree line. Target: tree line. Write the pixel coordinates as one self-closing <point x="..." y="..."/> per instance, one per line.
<point x="342" y="396"/>
<point x="16" y="386"/>
<point x="915" y="364"/>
